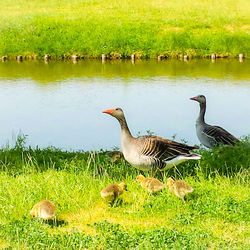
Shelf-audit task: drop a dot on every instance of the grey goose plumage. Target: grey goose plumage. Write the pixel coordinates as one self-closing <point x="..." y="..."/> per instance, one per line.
<point x="210" y="135"/>
<point x="150" y="152"/>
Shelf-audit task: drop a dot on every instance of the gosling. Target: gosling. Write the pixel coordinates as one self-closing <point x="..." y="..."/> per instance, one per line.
<point x="45" y="210"/>
<point x="151" y="184"/>
<point x="180" y="188"/>
<point x="113" y="191"/>
<point x="115" y="156"/>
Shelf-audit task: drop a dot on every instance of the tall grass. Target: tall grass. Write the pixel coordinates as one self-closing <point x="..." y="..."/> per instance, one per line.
<point x="215" y="216"/>
<point x="146" y="28"/>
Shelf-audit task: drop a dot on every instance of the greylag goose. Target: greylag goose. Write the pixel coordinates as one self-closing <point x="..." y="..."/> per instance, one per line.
<point x="210" y="135"/>
<point x="150" y="152"/>
<point x="180" y="188"/>
<point x="113" y="191"/>
<point x="151" y="184"/>
<point x="44" y="210"/>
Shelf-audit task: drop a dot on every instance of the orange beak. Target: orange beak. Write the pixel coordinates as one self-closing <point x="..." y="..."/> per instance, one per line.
<point x="108" y="111"/>
<point x="194" y="98"/>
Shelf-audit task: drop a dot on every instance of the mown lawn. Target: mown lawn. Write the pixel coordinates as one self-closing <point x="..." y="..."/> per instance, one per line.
<point x="144" y="27"/>
<point x="215" y="216"/>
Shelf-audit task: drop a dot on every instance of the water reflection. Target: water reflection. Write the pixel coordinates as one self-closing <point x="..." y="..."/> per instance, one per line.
<point x="53" y="71"/>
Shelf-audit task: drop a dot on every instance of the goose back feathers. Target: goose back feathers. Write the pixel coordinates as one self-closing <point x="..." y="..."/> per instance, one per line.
<point x="160" y="153"/>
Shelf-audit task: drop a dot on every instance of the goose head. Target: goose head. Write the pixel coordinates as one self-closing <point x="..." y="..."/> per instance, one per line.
<point x="170" y="182"/>
<point x="123" y="186"/>
<point x="140" y="178"/>
<point x="115" y="112"/>
<point x="33" y="213"/>
<point x="199" y="98"/>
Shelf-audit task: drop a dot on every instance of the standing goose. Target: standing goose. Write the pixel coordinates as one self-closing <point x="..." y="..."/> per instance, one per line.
<point x="150" y="152"/>
<point x="210" y="135"/>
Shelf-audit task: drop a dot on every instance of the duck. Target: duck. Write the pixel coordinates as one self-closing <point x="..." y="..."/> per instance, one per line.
<point x="207" y="134"/>
<point x="151" y="184"/>
<point x="112" y="192"/>
<point x="150" y="152"/>
<point x="44" y="209"/>
<point x="179" y="187"/>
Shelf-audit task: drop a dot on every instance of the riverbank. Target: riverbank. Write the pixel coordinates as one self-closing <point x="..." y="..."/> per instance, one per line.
<point x="215" y="215"/>
<point x="90" y="29"/>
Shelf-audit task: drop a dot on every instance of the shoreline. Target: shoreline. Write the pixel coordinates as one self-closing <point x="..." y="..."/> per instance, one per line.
<point x="105" y="58"/>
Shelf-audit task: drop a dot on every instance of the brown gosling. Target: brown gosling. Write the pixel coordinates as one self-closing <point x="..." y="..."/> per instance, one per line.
<point x="151" y="184"/>
<point x="115" y="156"/>
<point x="45" y="210"/>
<point x="180" y="188"/>
<point x="113" y="191"/>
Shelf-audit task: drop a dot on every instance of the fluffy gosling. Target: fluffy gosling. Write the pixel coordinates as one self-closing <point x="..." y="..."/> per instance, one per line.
<point x="115" y="156"/>
<point x="151" y="184"/>
<point x="113" y="191"/>
<point x="180" y="188"/>
<point x="45" y="210"/>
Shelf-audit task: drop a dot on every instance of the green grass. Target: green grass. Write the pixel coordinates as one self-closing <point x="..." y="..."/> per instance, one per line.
<point x="216" y="215"/>
<point x="146" y="28"/>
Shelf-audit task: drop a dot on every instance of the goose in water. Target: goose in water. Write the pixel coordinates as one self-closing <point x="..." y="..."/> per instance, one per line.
<point x="210" y="135"/>
<point x="150" y="152"/>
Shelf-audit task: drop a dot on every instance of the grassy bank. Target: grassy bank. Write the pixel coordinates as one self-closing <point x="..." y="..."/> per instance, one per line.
<point x="216" y="214"/>
<point x="146" y="28"/>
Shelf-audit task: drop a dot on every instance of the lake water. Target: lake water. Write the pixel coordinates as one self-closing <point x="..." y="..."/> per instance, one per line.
<point x="60" y="103"/>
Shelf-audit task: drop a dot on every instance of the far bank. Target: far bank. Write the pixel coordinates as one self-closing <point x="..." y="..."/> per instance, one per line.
<point x="145" y="29"/>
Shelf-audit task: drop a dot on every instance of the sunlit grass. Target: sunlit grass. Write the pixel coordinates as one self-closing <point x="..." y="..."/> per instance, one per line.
<point x="146" y="28"/>
<point x="216" y="214"/>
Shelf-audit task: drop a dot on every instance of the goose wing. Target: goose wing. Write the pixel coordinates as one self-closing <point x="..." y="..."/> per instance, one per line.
<point x="219" y="135"/>
<point x="162" y="149"/>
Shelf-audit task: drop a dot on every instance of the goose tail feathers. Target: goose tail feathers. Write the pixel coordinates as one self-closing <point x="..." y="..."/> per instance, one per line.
<point x="179" y="159"/>
<point x="193" y="156"/>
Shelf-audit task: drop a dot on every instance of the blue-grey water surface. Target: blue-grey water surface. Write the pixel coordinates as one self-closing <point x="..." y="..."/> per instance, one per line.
<point x="60" y="103"/>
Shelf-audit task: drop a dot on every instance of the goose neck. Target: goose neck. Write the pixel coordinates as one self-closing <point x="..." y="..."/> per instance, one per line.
<point x="201" y="117"/>
<point x="124" y="128"/>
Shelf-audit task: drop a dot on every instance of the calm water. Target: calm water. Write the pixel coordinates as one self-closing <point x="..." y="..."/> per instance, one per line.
<point x="60" y="103"/>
